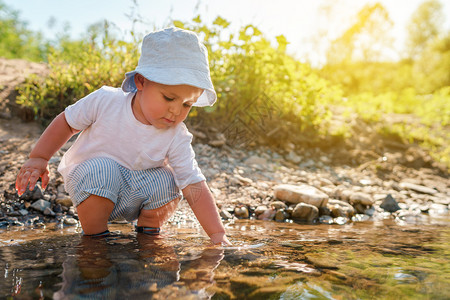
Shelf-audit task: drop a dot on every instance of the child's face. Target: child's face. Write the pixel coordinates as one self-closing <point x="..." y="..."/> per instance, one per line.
<point x="162" y="105"/>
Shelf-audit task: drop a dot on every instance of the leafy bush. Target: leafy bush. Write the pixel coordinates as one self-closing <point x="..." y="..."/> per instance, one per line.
<point x="260" y="85"/>
<point x="76" y="69"/>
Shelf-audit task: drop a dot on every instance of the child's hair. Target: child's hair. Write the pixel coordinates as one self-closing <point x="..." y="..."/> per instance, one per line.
<point x="174" y="56"/>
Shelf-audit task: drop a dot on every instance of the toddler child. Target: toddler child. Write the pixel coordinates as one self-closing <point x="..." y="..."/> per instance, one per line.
<point x="134" y="152"/>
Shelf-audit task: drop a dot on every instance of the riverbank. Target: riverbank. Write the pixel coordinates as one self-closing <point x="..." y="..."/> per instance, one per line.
<point x="367" y="176"/>
<point x="250" y="184"/>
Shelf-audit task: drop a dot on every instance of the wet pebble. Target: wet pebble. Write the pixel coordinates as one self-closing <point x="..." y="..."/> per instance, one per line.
<point x="41" y="205"/>
<point x="305" y="212"/>
<point x="70" y="221"/>
<point x="241" y="212"/>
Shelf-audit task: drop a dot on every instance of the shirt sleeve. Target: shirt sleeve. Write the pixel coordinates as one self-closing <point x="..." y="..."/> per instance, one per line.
<point x="181" y="158"/>
<point x="84" y="112"/>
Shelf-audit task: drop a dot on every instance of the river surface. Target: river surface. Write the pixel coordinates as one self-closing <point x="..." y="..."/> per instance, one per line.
<point x="383" y="259"/>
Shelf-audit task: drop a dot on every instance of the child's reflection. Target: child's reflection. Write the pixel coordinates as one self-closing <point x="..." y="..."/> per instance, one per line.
<point x="107" y="268"/>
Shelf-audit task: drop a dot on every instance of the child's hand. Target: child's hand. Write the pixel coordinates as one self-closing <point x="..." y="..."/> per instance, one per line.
<point x="220" y="239"/>
<point x="30" y="172"/>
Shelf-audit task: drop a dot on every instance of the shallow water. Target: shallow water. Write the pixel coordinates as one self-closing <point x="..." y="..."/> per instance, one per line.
<point x="381" y="259"/>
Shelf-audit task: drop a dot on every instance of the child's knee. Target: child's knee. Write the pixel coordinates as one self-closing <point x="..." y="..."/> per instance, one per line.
<point x="158" y="216"/>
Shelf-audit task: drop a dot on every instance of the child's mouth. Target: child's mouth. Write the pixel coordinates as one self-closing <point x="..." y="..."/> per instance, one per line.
<point x="168" y="120"/>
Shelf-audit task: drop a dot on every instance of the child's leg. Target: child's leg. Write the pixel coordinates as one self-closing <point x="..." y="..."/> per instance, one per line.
<point x="93" y="213"/>
<point x="157" y="217"/>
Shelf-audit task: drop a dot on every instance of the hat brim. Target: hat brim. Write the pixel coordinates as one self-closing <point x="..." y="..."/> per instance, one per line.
<point x="190" y="77"/>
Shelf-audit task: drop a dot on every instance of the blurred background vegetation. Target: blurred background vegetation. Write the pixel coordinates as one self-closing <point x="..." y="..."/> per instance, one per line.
<point x="273" y="95"/>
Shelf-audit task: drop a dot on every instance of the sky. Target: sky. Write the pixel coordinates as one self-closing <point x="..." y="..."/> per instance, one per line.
<point x="298" y="20"/>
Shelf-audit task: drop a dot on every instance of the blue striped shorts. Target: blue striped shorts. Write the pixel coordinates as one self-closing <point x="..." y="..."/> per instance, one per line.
<point x="129" y="190"/>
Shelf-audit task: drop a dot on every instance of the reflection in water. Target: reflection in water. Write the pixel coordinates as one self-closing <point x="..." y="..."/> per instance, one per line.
<point x="268" y="260"/>
<point x="127" y="267"/>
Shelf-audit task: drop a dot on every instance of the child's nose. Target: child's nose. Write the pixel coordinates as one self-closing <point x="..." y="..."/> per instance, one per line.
<point x="175" y="109"/>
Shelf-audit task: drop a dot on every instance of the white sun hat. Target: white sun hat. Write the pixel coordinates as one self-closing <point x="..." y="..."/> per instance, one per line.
<point x="174" y="56"/>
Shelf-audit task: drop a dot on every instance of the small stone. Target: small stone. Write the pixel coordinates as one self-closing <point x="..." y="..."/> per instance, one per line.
<point x="23" y="212"/>
<point x="326" y="219"/>
<point x="40" y="205"/>
<point x="305" y="212"/>
<point x="301" y="193"/>
<point x="256" y="160"/>
<point x="390" y="204"/>
<point x="243" y="180"/>
<point x="241" y="212"/>
<point x="359" y="208"/>
<point x="340" y="208"/>
<point x="70" y="221"/>
<point x="293" y="157"/>
<point x="278" y="205"/>
<point x="225" y="214"/>
<point x="64" y="200"/>
<point x="217" y="143"/>
<point x="197" y="134"/>
<point x="260" y="210"/>
<point x="49" y="212"/>
<point x="281" y="215"/>
<point x="418" y="188"/>
<point x="268" y="215"/>
<point x="72" y="211"/>
<point x="361" y="198"/>
<point x="58" y="208"/>
<point x="370" y="211"/>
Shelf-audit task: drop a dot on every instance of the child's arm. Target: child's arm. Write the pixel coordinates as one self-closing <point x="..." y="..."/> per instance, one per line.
<point x="53" y="138"/>
<point x="202" y="203"/>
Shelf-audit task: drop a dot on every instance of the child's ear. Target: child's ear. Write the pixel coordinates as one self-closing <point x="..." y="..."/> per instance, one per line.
<point x="139" y="81"/>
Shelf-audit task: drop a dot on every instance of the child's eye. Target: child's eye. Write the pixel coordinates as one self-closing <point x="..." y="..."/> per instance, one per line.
<point x="167" y="98"/>
<point x="187" y="105"/>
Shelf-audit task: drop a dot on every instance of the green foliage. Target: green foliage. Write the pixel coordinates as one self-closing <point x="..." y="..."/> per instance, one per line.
<point x="424" y="26"/>
<point x="76" y="69"/>
<point x="273" y="97"/>
<point x="251" y="76"/>
<point x="16" y="41"/>
<point x="424" y="120"/>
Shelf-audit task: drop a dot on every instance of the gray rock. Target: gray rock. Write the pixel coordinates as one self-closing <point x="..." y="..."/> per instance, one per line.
<point x="301" y="193"/>
<point x="305" y="212"/>
<point x="49" y="212"/>
<point x="293" y="157"/>
<point x="389" y="204"/>
<point x="23" y="212"/>
<point x="370" y="211"/>
<point x="418" y="188"/>
<point x="40" y="205"/>
<point x="32" y="195"/>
